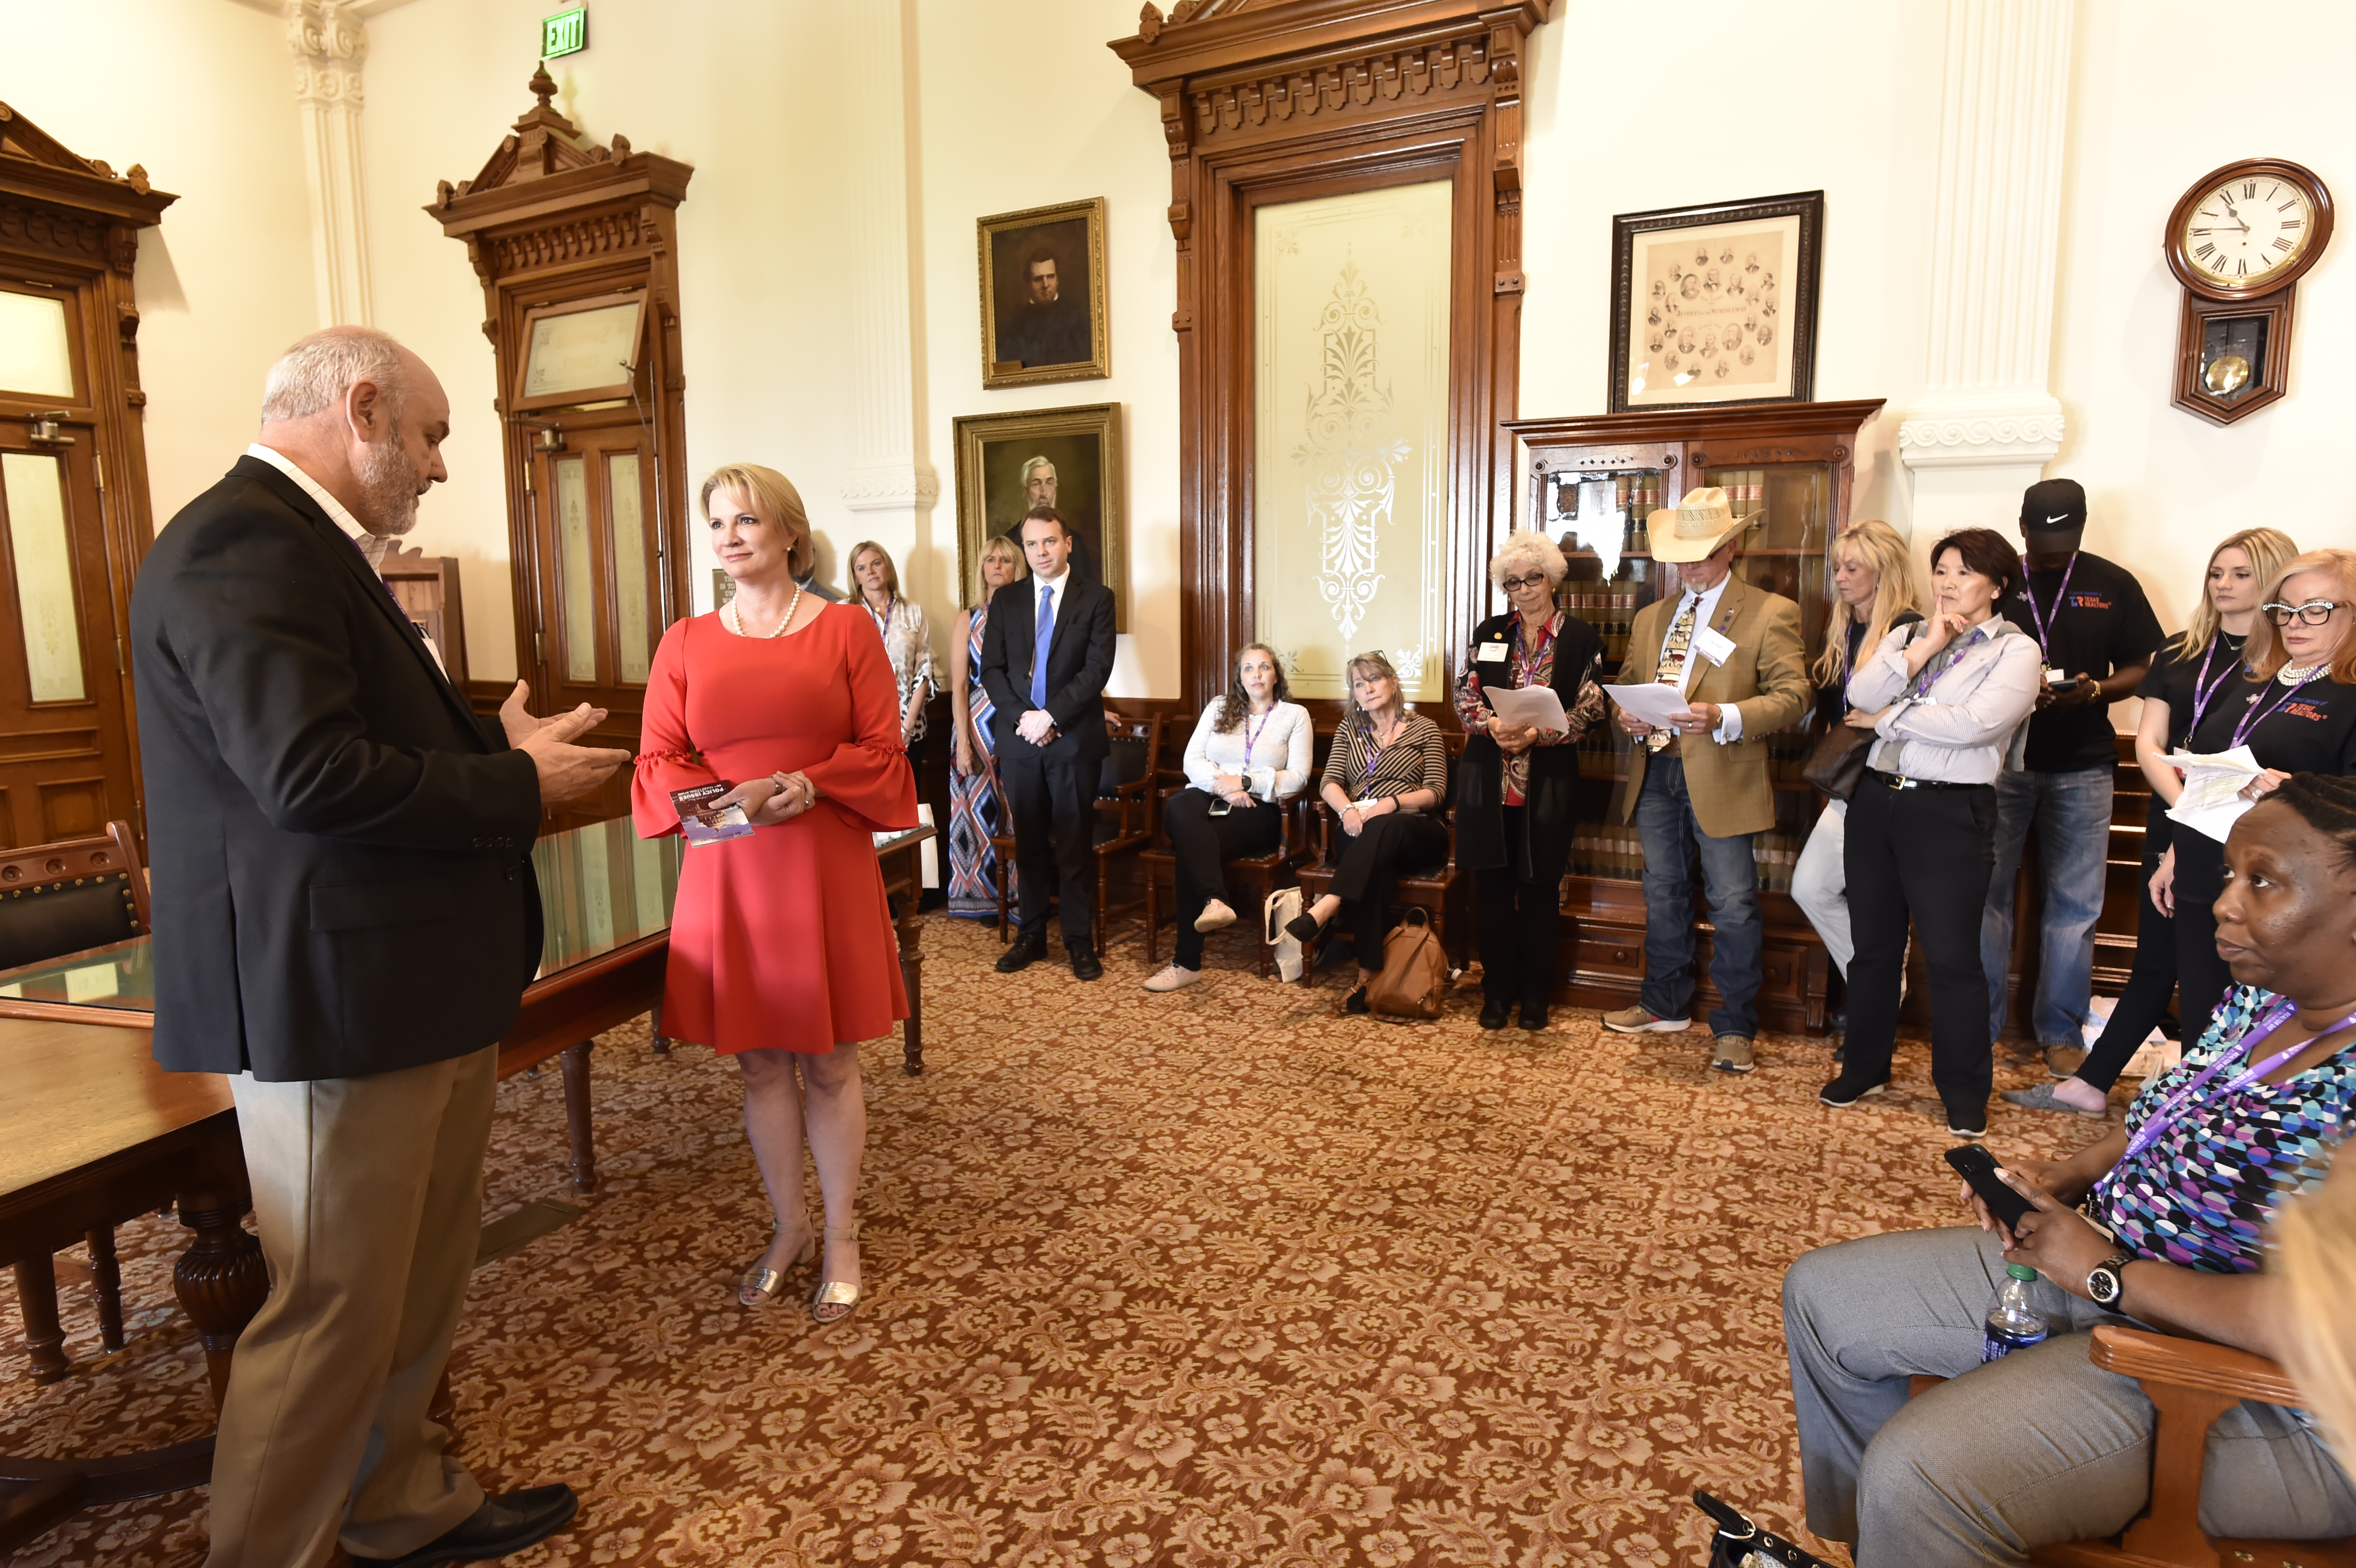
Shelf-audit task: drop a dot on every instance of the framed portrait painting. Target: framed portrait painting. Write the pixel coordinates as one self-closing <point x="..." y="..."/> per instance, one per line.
<point x="1043" y="295"/>
<point x="1065" y="458"/>
<point x="1714" y="306"/>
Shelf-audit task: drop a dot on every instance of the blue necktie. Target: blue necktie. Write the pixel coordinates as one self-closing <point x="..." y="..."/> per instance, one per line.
<point x="1039" y="647"/>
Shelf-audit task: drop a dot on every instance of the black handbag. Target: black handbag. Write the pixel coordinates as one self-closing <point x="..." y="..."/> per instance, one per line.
<point x="1739" y="1543"/>
<point x="1836" y="762"/>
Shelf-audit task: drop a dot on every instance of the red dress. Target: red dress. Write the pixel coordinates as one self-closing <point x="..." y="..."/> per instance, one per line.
<point x="783" y="939"/>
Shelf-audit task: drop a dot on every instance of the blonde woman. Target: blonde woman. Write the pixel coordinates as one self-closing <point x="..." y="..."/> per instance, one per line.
<point x="1386" y="775"/>
<point x="975" y="811"/>
<point x="906" y="638"/>
<point x="1874" y="594"/>
<point x="2187" y="675"/>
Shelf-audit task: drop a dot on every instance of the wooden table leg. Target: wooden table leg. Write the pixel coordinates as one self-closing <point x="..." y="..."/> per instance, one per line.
<point x="220" y="1280"/>
<point x="576" y="1059"/>
<point x="106" y="1279"/>
<point x="911" y="977"/>
<point x="36" y="1297"/>
<point x="654" y="1027"/>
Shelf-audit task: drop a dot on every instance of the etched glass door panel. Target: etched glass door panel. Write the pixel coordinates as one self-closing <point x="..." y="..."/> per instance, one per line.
<point x="35" y="346"/>
<point x="1351" y="406"/>
<point x="579" y="578"/>
<point x="634" y="568"/>
<point x="41" y="557"/>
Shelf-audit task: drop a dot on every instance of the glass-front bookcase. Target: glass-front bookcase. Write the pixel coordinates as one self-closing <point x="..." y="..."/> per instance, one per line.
<point x="1590" y="482"/>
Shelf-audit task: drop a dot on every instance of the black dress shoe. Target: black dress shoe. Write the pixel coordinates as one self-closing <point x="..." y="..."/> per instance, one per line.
<point x="1356" y="1002"/>
<point x="503" y="1524"/>
<point x="1495" y="1014"/>
<point x="1303" y="928"/>
<point x="1029" y="946"/>
<point x="1084" y="959"/>
<point x="1534" y="1014"/>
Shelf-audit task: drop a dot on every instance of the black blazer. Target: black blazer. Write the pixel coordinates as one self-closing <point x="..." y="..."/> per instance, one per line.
<point x="341" y="848"/>
<point x="1080" y="660"/>
<point x="1552" y="804"/>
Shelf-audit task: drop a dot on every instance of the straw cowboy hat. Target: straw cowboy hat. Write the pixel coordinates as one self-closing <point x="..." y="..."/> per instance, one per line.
<point x="1695" y="527"/>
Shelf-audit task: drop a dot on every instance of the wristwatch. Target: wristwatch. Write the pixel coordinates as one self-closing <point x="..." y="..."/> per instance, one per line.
<point x="2106" y="1282"/>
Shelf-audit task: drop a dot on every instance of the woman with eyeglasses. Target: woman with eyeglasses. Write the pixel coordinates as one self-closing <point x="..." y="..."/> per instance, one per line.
<point x="2186" y="677"/>
<point x="1516" y="793"/>
<point x="2294" y="705"/>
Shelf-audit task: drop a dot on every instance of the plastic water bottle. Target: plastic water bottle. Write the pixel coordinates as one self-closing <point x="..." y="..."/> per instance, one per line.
<point x="2013" y="1323"/>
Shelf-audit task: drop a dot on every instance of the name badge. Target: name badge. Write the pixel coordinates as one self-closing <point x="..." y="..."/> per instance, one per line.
<point x="2055" y="675"/>
<point x="1712" y="645"/>
<point x="1490" y="652"/>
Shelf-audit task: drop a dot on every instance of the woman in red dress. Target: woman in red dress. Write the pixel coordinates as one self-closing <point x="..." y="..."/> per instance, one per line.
<point x="781" y="945"/>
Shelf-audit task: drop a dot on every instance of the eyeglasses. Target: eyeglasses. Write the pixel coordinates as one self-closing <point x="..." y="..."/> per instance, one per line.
<point x="2315" y="611"/>
<point x="1516" y="584"/>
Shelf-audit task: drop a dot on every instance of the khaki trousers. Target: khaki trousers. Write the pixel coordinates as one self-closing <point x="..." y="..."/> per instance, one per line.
<point x="368" y="1193"/>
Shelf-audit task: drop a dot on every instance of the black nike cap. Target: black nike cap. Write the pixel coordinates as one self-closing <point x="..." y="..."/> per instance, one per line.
<point x="2053" y="504"/>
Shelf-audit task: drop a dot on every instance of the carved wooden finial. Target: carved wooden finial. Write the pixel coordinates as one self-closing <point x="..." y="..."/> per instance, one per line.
<point x="621" y="145"/>
<point x="442" y="191"/>
<point x="543" y="86"/>
<point x="1148" y="22"/>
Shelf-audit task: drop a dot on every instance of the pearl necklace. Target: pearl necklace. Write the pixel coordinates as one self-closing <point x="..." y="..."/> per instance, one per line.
<point x="2291" y="676"/>
<point x="734" y="618"/>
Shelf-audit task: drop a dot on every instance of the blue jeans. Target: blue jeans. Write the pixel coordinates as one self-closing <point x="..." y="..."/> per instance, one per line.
<point x="1665" y="822"/>
<point x="2072" y="812"/>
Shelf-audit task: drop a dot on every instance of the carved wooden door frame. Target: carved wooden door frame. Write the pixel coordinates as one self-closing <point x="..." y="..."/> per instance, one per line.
<point x="1266" y="100"/>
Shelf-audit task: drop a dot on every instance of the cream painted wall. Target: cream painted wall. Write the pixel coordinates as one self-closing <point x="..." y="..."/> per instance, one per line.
<point x="199" y="94"/>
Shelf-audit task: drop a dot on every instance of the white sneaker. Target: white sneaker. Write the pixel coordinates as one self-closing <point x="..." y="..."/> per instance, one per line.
<point x="1216" y="916"/>
<point x="1173" y="978"/>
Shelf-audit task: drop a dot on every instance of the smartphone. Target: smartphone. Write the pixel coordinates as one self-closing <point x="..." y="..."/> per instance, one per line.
<point x="1976" y="1166"/>
<point x="1221" y="805"/>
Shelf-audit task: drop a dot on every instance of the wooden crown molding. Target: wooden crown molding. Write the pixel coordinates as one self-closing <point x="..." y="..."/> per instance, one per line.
<point x="79" y="208"/>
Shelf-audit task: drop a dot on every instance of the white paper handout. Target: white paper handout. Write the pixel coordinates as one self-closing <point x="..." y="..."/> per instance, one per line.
<point x="1658" y="705"/>
<point x="1528" y="707"/>
<point x="2211" y="800"/>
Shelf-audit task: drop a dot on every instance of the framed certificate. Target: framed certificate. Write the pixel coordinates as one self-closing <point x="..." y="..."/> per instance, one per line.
<point x="580" y="351"/>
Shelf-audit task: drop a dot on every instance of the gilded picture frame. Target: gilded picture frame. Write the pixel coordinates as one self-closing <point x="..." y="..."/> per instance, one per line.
<point x="1715" y="306"/>
<point x="1043" y="295"/>
<point x="1071" y="458"/>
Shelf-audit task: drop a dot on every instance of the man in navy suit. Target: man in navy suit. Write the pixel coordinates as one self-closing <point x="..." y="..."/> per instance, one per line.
<point x="346" y="918"/>
<point x="1045" y="658"/>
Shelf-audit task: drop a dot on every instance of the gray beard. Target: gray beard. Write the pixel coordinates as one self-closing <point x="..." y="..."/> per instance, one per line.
<point x="389" y="488"/>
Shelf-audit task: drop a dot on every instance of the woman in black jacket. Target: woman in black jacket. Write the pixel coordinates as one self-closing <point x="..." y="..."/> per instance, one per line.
<point x="1516" y="791"/>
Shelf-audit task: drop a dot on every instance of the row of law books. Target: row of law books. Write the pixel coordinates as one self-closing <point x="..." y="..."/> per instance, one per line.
<point x="1616" y="853"/>
<point x="1609" y="611"/>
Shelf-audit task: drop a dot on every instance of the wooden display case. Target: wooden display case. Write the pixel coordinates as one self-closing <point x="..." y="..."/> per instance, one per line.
<point x="1590" y="481"/>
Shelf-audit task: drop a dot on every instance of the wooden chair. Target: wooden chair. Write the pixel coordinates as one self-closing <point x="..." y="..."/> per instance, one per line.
<point x="1259" y="875"/>
<point x="1125" y="818"/>
<point x="1442" y="892"/>
<point x="2190" y="1384"/>
<point x="56" y="900"/>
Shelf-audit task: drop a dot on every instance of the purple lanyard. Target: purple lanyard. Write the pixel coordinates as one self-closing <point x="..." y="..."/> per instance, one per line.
<point x="1528" y="662"/>
<point x="1935" y="669"/>
<point x="2202" y="692"/>
<point x="2156" y="1124"/>
<point x="1375" y="752"/>
<point x="1252" y="733"/>
<point x="2030" y="593"/>
<point x="2251" y="718"/>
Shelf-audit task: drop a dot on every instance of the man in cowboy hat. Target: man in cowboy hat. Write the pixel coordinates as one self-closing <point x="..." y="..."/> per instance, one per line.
<point x="1700" y="789"/>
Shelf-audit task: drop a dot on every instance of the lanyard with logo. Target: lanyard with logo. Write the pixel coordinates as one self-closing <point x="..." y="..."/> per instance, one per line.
<point x="1525" y="661"/>
<point x="2203" y="688"/>
<point x="2166" y="1117"/>
<point x="2250" y="718"/>
<point x="2044" y="627"/>
<point x="1936" y="667"/>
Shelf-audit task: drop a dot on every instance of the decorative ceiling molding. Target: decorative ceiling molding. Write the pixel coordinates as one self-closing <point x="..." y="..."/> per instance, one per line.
<point x="328" y="39"/>
<point x="79" y="208"/>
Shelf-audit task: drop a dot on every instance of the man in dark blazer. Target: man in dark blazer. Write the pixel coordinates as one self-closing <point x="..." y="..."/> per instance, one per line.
<point x="1045" y="658"/>
<point x="345" y="918"/>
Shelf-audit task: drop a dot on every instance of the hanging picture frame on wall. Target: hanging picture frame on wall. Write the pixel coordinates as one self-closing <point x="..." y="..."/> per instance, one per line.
<point x="1065" y="458"/>
<point x="1043" y="295"/>
<point x="1716" y="305"/>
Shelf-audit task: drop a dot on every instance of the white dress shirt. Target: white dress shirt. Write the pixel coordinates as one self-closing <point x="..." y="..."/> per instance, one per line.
<point x="1971" y="723"/>
<point x="373" y="546"/>
<point x="1704" y="604"/>
<point x="1282" y="741"/>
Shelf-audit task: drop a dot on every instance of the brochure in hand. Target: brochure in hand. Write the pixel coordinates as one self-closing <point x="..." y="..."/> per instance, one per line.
<point x="700" y="823"/>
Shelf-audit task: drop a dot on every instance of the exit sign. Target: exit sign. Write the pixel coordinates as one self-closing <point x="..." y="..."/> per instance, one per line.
<point x="564" y="33"/>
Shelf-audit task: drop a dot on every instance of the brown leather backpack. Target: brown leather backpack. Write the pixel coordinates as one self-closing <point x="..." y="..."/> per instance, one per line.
<point x="1415" y="972"/>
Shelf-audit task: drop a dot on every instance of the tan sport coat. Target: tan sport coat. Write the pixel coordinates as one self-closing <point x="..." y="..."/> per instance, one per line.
<point x="1765" y="676"/>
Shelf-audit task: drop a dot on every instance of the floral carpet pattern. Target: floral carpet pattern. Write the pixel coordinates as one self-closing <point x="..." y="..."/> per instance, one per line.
<point x="1219" y="1278"/>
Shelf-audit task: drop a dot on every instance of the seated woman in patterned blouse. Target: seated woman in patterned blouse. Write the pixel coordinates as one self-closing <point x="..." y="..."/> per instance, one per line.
<point x="2169" y="1215"/>
<point x="1386" y="773"/>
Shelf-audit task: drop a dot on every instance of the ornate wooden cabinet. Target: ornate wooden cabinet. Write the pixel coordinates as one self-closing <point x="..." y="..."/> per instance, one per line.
<point x="577" y="249"/>
<point x="74" y="519"/>
<point x="1591" y="481"/>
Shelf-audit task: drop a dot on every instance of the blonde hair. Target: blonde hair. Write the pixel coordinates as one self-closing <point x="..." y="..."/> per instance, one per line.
<point x="2315" y="1256"/>
<point x="2267" y="550"/>
<point x="1361" y="666"/>
<point x="1895" y="591"/>
<point x="2265" y="652"/>
<point x="998" y="545"/>
<point x="771" y="496"/>
<point x="890" y="572"/>
<point x="1526" y="549"/>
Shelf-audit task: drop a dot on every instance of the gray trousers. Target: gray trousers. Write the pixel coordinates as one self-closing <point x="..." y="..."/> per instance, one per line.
<point x="2040" y="1447"/>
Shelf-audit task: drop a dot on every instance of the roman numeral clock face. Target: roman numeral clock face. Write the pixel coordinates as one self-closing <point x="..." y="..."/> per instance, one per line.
<point x="2243" y="231"/>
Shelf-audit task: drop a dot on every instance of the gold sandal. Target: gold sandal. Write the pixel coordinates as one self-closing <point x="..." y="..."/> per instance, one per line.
<point x="760" y="1286"/>
<point x="834" y="1293"/>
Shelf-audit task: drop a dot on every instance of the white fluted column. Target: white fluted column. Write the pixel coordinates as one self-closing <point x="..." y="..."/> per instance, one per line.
<point x="329" y="41"/>
<point x="1988" y="423"/>
<point x="889" y="473"/>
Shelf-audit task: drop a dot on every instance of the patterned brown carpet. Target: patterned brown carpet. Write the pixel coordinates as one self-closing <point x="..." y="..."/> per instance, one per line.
<point x="1221" y="1278"/>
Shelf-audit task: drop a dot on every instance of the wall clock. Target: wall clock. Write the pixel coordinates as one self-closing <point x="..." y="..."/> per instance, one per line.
<point x="2239" y="241"/>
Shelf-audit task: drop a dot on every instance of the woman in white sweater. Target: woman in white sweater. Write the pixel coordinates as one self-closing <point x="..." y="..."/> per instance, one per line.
<point x="1249" y="754"/>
